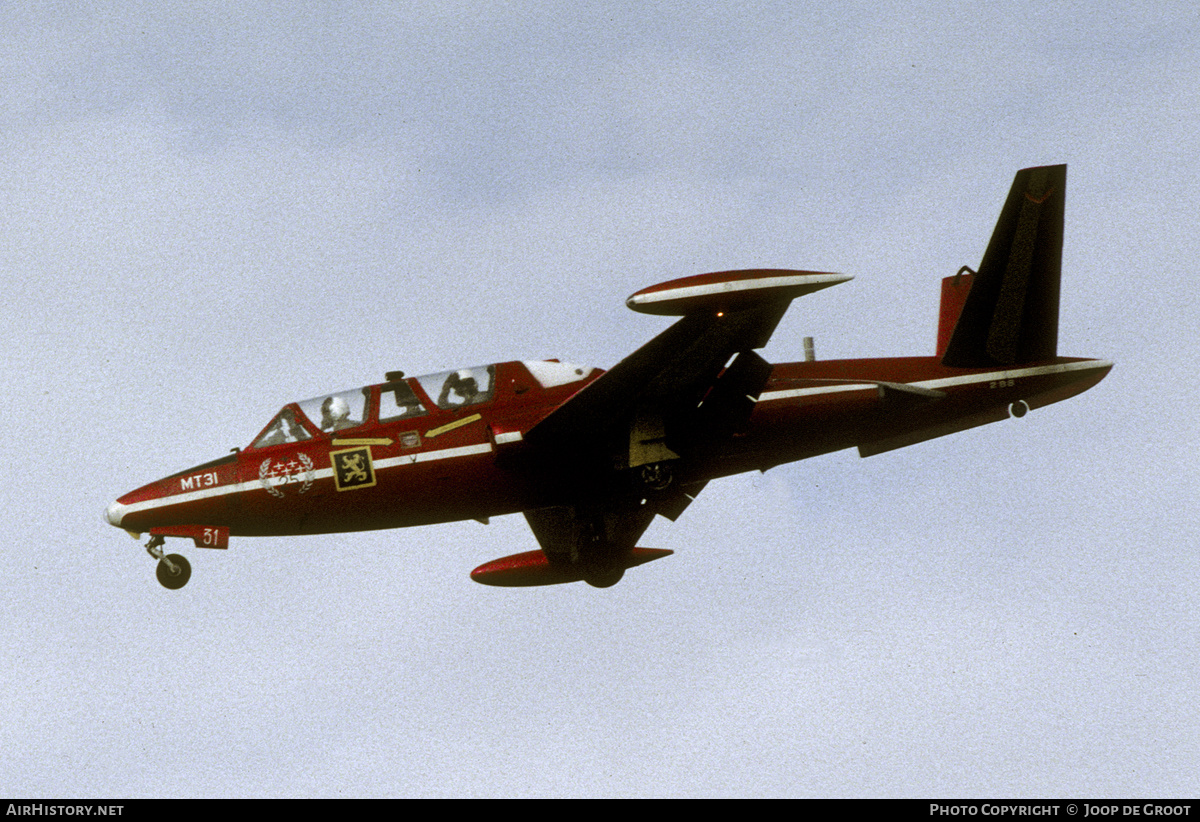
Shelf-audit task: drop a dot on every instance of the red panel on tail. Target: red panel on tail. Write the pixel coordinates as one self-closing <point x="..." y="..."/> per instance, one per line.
<point x="954" y="296"/>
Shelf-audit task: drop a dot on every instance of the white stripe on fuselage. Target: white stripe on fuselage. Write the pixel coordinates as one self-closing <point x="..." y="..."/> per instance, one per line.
<point x="321" y="473"/>
<point x="943" y="382"/>
<point x="790" y="393"/>
<point x="484" y="448"/>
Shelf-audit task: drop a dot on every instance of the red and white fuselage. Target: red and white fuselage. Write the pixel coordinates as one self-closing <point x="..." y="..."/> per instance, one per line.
<point x="464" y="462"/>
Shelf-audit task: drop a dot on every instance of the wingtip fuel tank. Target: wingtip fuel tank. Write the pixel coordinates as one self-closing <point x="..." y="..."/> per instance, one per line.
<point x="533" y="568"/>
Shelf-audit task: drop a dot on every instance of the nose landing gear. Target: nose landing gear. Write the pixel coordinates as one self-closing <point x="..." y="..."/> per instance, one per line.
<point x="173" y="570"/>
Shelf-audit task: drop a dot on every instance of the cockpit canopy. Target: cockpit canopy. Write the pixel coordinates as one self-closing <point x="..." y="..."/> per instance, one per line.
<point x="401" y="398"/>
<point x="391" y="401"/>
<point x="456" y="389"/>
<point x="405" y="397"/>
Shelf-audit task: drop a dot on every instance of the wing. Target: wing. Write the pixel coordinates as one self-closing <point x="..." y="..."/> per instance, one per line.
<point x="666" y="375"/>
<point x="595" y="546"/>
<point x="701" y="374"/>
<point x="683" y="379"/>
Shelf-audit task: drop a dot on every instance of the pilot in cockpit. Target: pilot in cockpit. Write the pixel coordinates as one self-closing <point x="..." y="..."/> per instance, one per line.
<point x="284" y="428"/>
<point x="462" y="384"/>
<point x="335" y="414"/>
<point x="274" y="435"/>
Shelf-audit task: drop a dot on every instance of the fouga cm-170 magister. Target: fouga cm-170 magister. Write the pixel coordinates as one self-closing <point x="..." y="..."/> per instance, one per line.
<point x="590" y="457"/>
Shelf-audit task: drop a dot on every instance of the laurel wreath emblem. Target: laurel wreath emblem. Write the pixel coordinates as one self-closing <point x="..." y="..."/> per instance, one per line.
<point x="265" y="477"/>
<point x="307" y="462"/>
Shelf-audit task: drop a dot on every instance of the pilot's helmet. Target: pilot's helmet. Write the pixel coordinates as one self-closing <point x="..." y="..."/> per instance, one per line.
<point x="466" y="386"/>
<point x="334" y="410"/>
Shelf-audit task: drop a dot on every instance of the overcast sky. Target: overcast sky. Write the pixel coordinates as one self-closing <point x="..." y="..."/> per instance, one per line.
<point x="209" y="210"/>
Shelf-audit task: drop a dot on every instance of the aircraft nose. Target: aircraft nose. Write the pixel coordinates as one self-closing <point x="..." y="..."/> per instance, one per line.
<point x="113" y="514"/>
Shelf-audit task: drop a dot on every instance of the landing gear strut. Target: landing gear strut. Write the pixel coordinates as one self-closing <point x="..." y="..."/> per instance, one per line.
<point x="173" y="570"/>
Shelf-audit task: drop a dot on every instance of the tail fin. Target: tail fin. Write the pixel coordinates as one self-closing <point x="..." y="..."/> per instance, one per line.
<point x="1011" y="312"/>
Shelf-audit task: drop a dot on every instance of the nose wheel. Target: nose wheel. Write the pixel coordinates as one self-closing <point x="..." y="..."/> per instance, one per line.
<point x="173" y="569"/>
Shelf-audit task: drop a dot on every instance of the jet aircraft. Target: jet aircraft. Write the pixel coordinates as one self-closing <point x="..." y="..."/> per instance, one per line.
<point x="590" y="457"/>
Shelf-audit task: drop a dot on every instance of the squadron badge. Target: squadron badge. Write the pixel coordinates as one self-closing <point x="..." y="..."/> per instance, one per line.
<point x="274" y="475"/>
<point x="352" y="468"/>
